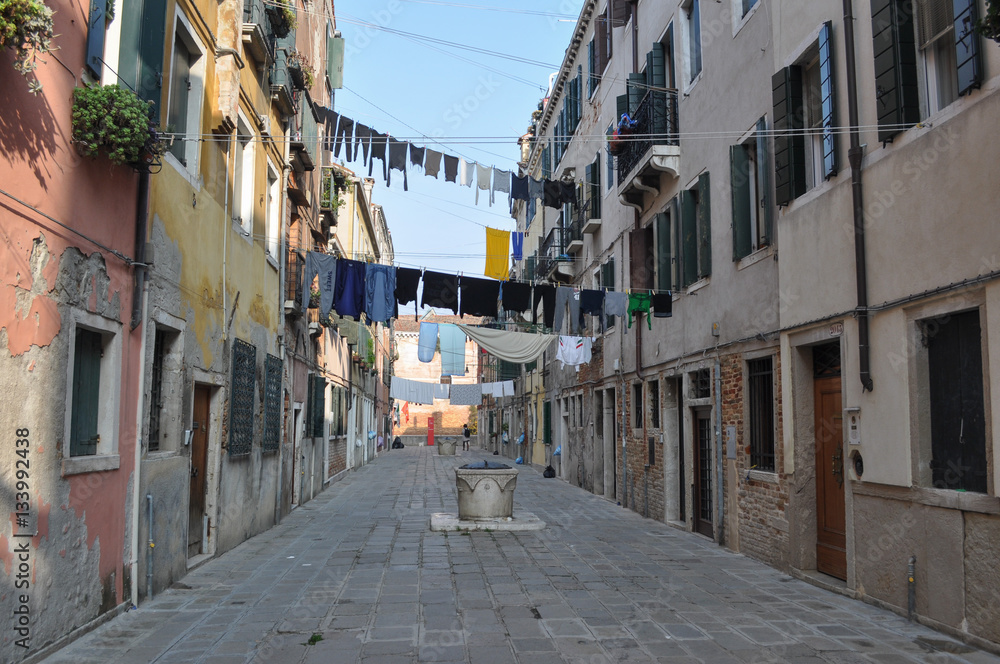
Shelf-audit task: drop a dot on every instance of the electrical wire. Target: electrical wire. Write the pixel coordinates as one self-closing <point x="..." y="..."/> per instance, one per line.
<point x="509" y="10"/>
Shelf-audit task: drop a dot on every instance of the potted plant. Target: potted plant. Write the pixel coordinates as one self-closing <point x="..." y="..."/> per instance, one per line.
<point x="303" y="74"/>
<point x="314" y="298"/>
<point x="26" y="27"/>
<point x="114" y="120"/>
<point x="282" y="15"/>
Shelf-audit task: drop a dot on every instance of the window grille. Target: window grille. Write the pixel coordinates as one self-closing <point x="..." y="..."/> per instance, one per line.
<point x="272" y="403"/>
<point x="241" y="411"/>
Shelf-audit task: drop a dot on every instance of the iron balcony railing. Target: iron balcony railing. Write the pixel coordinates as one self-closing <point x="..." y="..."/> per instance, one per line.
<point x="575" y="232"/>
<point x="655" y="124"/>
<point x="553" y="249"/>
<point x="253" y="12"/>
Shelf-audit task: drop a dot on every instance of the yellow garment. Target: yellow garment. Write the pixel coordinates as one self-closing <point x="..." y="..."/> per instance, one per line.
<point x="497" y="254"/>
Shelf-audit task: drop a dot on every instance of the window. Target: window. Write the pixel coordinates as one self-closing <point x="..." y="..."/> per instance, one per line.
<point x="243" y="177"/>
<point x="694" y="246"/>
<point x="701" y="384"/>
<point x="93" y="386"/>
<point x="608" y="282"/>
<point x="637" y="406"/>
<point x="692" y="30"/>
<point x="316" y="406"/>
<point x="241" y="401"/>
<point x="187" y="73"/>
<point x="957" y="412"/>
<point x="156" y="392"/>
<point x="84" y="435"/>
<point x="654" y="404"/>
<point x="760" y="390"/>
<point x="750" y="183"/>
<point x="546" y="423"/>
<point x="273" y="218"/>
<point x="609" y="180"/>
<point x="272" y="403"/>
<point x="593" y="192"/>
<point x="746" y="6"/>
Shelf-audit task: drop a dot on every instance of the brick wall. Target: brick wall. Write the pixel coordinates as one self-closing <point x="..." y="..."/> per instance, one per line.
<point x="645" y="484"/>
<point x="338" y="456"/>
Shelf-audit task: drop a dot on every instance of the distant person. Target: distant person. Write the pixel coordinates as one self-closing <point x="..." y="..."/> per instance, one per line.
<point x="465" y="437"/>
<point x="397" y="444"/>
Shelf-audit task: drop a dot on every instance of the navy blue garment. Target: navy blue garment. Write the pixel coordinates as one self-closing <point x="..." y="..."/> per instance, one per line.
<point x="407" y="280"/>
<point x="592" y="303"/>
<point x="380" y="297"/>
<point x="552" y="196"/>
<point x="545" y="294"/>
<point x="397" y="159"/>
<point x="440" y="290"/>
<point x="516" y="296"/>
<point x="479" y="297"/>
<point x="567" y="192"/>
<point x="363" y="135"/>
<point x="519" y="188"/>
<point x="379" y="144"/>
<point x="450" y="168"/>
<point x="349" y="294"/>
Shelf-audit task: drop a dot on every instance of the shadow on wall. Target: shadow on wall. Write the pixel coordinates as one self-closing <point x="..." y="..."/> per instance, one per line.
<point x="28" y="128"/>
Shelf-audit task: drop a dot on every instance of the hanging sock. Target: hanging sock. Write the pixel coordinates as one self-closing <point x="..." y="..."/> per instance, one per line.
<point x="397" y="159"/>
<point x="479" y="297"/>
<point x="440" y="290"/>
<point x="638" y="303"/>
<point x="324" y="266"/>
<point x="465" y="172"/>
<point x="363" y="136"/>
<point x="427" y="342"/>
<point x="450" y="168"/>
<point x="517" y="242"/>
<point x="380" y="297"/>
<point x="483" y="174"/>
<point x="452" y="350"/>
<point x="379" y="144"/>
<point x="663" y="305"/>
<point x="497" y="253"/>
<point x="349" y="293"/>
<point x="516" y="296"/>
<point x="501" y="183"/>
<point x="432" y="163"/>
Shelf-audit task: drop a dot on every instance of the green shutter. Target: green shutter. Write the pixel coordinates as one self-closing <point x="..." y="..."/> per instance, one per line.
<point x="621" y="107"/>
<point x="704" y="226"/>
<point x="689" y="238"/>
<point x="594" y="187"/>
<point x="83" y="436"/>
<point x="894" y="51"/>
<point x="141" y="55"/>
<point x="636" y="88"/>
<point x="828" y="101"/>
<point x="335" y="62"/>
<point x="319" y="405"/>
<point x="764" y="178"/>
<point x="96" y="27"/>
<point x="789" y="143"/>
<point x="663" y="280"/>
<point x="739" y="170"/>
<point x="546" y="169"/>
<point x="547" y="422"/>
<point x="967" y="49"/>
<point x="656" y="72"/>
<point x="591" y="69"/>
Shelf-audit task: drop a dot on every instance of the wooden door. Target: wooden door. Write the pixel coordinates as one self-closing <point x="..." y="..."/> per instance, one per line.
<point x="199" y="463"/>
<point x="702" y="499"/>
<point x="831" y="542"/>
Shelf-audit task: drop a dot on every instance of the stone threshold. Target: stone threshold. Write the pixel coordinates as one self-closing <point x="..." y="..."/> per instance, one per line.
<point x="446" y="522"/>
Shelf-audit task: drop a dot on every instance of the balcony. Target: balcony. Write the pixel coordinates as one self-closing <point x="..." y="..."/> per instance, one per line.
<point x="574" y="237"/>
<point x="553" y="261"/>
<point x="298" y="193"/>
<point x="281" y="79"/>
<point x="293" y="284"/>
<point x="331" y="185"/>
<point x="654" y="148"/>
<point x="255" y="29"/>
<point x="305" y="135"/>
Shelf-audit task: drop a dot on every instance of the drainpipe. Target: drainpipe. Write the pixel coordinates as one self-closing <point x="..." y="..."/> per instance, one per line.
<point x="282" y="258"/>
<point x="911" y="588"/>
<point x="141" y="219"/>
<point x="854" y="156"/>
<point x="136" y="472"/>
<point x="226" y="223"/>
<point x="718" y="450"/>
<point x="149" y="549"/>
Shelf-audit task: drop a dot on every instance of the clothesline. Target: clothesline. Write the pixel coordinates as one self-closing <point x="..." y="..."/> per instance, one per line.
<point x="460" y="394"/>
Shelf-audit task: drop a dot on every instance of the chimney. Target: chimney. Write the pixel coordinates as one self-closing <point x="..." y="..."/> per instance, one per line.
<point x="368" y="184"/>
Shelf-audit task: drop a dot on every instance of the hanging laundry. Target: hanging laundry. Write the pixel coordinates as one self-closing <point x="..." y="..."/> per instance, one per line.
<point x="452" y="350"/>
<point x="552" y="196"/>
<point x="501" y="183"/>
<point x="442" y="391"/>
<point x="416" y="156"/>
<point x="592" y="303"/>
<point x="407" y="281"/>
<point x="517" y="242"/>
<point x="427" y="341"/>
<point x="507" y="388"/>
<point x="440" y="290"/>
<point x="466" y="395"/>
<point x="545" y="294"/>
<point x="450" y="168"/>
<point x="497" y="253"/>
<point x="615" y="303"/>
<point x="567" y="192"/>
<point x="363" y="136"/>
<point x="574" y="351"/>
<point x="536" y="188"/>
<point x="465" y="172"/>
<point x="638" y="303"/>
<point x="349" y="293"/>
<point x="397" y="160"/>
<point x="519" y="187"/>
<point x="483" y="174"/>
<point x="567" y="297"/>
<point x="380" y="292"/>
<point x="406" y="409"/>
<point x="379" y="145"/>
<point x="432" y="163"/>
<point x="479" y="297"/>
<point x="345" y="135"/>
<point x="516" y="296"/>
<point x="663" y="305"/>
<point x="325" y="267"/>
<point x="411" y="391"/>
<point x="327" y="118"/>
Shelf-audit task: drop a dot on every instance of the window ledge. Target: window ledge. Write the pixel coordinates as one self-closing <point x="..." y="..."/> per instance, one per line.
<point x="698" y="285"/>
<point x="161" y="454"/>
<point x="242" y="232"/>
<point x="738" y="25"/>
<point x="183" y="171"/>
<point x="767" y="476"/>
<point x="943" y="498"/>
<point x="755" y="257"/>
<point x="271" y="260"/>
<point x="690" y="86"/>
<point x="90" y="464"/>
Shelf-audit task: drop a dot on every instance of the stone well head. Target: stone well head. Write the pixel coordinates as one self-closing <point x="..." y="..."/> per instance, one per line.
<point x="485" y="490"/>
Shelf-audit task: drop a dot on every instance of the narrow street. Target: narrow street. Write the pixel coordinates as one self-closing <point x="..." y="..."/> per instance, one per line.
<point x="359" y="567"/>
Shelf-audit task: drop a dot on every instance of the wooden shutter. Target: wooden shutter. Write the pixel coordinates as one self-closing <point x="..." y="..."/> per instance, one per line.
<point x="739" y="173"/>
<point x="689" y="238"/>
<point x="319" y="405"/>
<point x="967" y="49"/>
<point x="663" y="276"/>
<point x="641" y="258"/>
<point x="140" y="62"/>
<point x="591" y="68"/>
<point x="828" y="101"/>
<point x="619" y="12"/>
<point x="704" y="226"/>
<point x="83" y="436"/>
<point x="96" y="27"/>
<point x="335" y="62"/>
<point x="546" y="168"/>
<point x="600" y="46"/>
<point x="894" y="50"/>
<point x="546" y="422"/>
<point x="594" y="183"/>
<point x="636" y="88"/>
<point x="656" y="72"/>
<point x="789" y="143"/>
<point x="764" y="178"/>
<point x="621" y="106"/>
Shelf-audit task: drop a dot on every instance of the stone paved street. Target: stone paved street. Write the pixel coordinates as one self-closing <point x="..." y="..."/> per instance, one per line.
<point x="359" y="567"/>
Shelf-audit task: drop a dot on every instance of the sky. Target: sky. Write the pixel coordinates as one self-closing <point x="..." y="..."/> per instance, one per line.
<point x="439" y="96"/>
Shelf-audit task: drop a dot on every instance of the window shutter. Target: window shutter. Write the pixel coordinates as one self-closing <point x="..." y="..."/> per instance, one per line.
<point x="546" y="422"/>
<point x="636" y="91"/>
<point x="591" y="68"/>
<point x="621" y="103"/>
<point x="641" y="258"/>
<point x="335" y="62"/>
<point x="656" y="72"/>
<point x="828" y="94"/>
<point x="619" y="12"/>
<point x="764" y="178"/>
<point x="546" y="168"/>
<point x="704" y="226"/>
<point x="895" y="68"/>
<point x="967" y="51"/>
<point x="142" y="49"/>
<point x="739" y="167"/>
<point x="590" y="190"/>
<point x="600" y="47"/>
<point x="689" y="238"/>
<point x="663" y="281"/>
<point x="86" y="393"/>
<point x="789" y="144"/>
<point x="319" y="405"/>
<point x="594" y="179"/>
<point x="96" y="25"/>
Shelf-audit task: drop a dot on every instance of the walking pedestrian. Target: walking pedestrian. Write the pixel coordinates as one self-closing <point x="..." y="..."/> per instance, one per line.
<point x="465" y="437"/>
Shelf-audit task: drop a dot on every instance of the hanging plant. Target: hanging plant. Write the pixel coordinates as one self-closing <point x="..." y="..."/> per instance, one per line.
<point x="114" y="120"/>
<point x="26" y="27"/>
<point x="989" y="25"/>
<point x="282" y="15"/>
